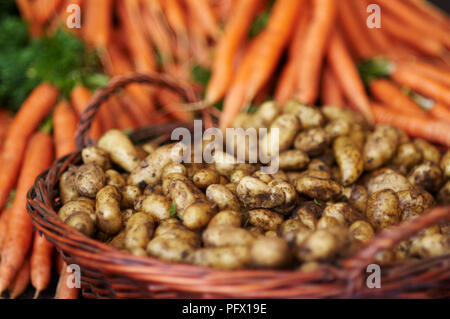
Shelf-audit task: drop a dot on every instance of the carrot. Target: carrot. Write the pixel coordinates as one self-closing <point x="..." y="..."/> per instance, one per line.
<point x="314" y="50"/>
<point x="97" y="22"/>
<point x="287" y="83"/>
<point x="171" y="102"/>
<point x="106" y="118"/>
<point x="390" y="94"/>
<point x="123" y="118"/>
<point x="21" y="280"/>
<point x="433" y="13"/>
<point x="235" y="32"/>
<point x="354" y="30"/>
<point x="411" y="36"/>
<point x="422" y="84"/>
<point x="41" y="263"/>
<point x="136" y="113"/>
<point x="44" y="9"/>
<point x="331" y="93"/>
<point x="80" y="98"/>
<point x="62" y="16"/>
<point x="440" y="112"/>
<point x="65" y="123"/>
<point x="26" y="10"/>
<point x="205" y="16"/>
<point x="177" y="21"/>
<point x="4" y="217"/>
<point x="35" y="108"/>
<point x="345" y="70"/>
<point x="261" y="59"/>
<point x="414" y="125"/>
<point x="63" y="291"/>
<point x="199" y="42"/>
<point x="18" y="239"/>
<point x="5" y="124"/>
<point x="427" y="69"/>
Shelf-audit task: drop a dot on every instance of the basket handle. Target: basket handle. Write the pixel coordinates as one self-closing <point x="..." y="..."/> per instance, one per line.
<point x="390" y="237"/>
<point x="183" y="89"/>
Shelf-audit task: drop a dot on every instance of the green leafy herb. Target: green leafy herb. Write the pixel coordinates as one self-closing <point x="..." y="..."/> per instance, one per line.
<point x="374" y="68"/>
<point x="47" y="125"/>
<point x="173" y="211"/>
<point x="260" y="22"/>
<point x="200" y="75"/>
<point x="61" y="59"/>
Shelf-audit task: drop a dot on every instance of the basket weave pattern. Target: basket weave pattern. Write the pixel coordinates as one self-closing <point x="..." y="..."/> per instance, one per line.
<point x="109" y="273"/>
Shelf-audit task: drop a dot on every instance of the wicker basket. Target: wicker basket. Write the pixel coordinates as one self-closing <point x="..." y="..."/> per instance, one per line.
<point x="109" y="273"/>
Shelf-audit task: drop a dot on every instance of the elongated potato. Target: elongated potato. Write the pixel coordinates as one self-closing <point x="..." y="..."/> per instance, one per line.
<point x="80" y="204"/>
<point x="67" y="188"/>
<point x="432" y="245"/>
<point x="429" y="151"/>
<point x="427" y="175"/>
<point x="343" y="212"/>
<point x="114" y="178"/>
<point x="174" y="168"/>
<point x="445" y="165"/>
<point x="226" y="217"/>
<point x="361" y="231"/>
<point x="270" y="252"/>
<point x="317" y="188"/>
<point x="307" y="213"/>
<point x="205" y="177"/>
<point x="313" y="141"/>
<point x="129" y="196"/>
<point x="286" y="127"/>
<point x="94" y="154"/>
<point x="383" y="209"/>
<point x="107" y="210"/>
<point x="225" y="236"/>
<point x="120" y="149"/>
<point x="323" y="244"/>
<point x="265" y="219"/>
<point x="89" y="180"/>
<point x="139" y="231"/>
<point x="254" y="193"/>
<point x="292" y="160"/>
<point x="358" y="198"/>
<point x="222" y="197"/>
<point x="157" y="206"/>
<point x="197" y="215"/>
<point x="236" y="257"/>
<point x="171" y="250"/>
<point x="388" y="180"/>
<point x="184" y="193"/>
<point x="407" y="155"/>
<point x="308" y="116"/>
<point x="349" y="159"/>
<point x="380" y="146"/>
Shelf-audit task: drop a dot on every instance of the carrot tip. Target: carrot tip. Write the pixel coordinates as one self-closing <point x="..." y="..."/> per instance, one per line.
<point x="36" y="295"/>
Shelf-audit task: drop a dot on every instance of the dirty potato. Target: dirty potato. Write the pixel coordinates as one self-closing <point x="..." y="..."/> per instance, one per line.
<point x="227" y="258"/>
<point x="226" y="217"/>
<point x="383" y="209"/>
<point x="380" y="147"/>
<point x="349" y="159"/>
<point x="280" y="135"/>
<point x="309" y="116"/>
<point x="80" y="204"/>
<point x="427" y="175"/>
<point x="388" y="180"/>
<point x="157" y="206"/>
<point x="414" y="202"/>
<point x="173" y="250"/>
<point x="225" y="236"/>
<point x="443" y="196"/>
<point x="184" y="193"/>
<point x="139" y="231"/>
<point x="82" y="222"/>
<point x="291" y="160"/>
<point x="358" y="198"/>
<point x="431" y="245"/>
<point x="94" y="154"/>
<point x="107" y="210"/>
<point x="361" y="231"/>
<point x="129" y="196"/>
<point x="89" y="180"/>
<point x="222" y="197"/>
<point x="114" y="178"/>
<point x="197" y="215"/>
<point x="254" y="193"/>
<point x="205" y="177"/>
<point x="429" y="151"/>
<point x="120" y="149"/>
<point x="342" y="212"/>
<point x="313" y="141"/>
<point x="323" y="244"/>
<point x="270" y="252"/>
<point x="265" y="219"/>
<point x="67" y="188"/>
<point x="408" y="155"/>
<point x="445" y="165"/>
<point x="321" y="189"/>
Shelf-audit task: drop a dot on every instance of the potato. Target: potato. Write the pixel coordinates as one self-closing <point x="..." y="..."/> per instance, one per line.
<point x="333" y="113"/>
<point x="361" y="231"/>
<point x="237" y="175"/>
<point x="179" y="233"/>
<point x="222" y="197"/>
<point x="270" y="252"/>
<point x="256" y="194"/>
<point x="119" y="241"/>
<point x="414" y="202"/>
<point x="184" y="193"/>
<point x="149" y="171"/>
<point x="383" y="209"/>
<point x="380" y="147"/>
<point x="317" y="173"/>
<point x="225" y="236"/>
<point x="321" y="189"/>
<point x="349" y="159"/>
<point x="292" y="160"/>
<point x="265" y="219"/>
<point x="427" y="175"/>
<point x="129" y="196"/>
<point x="358" y="198"/>
<point x="343" y="213"/>
<point x="227" y="258"/>
<point x="289" y="194"/>
<point x="82" y="222"/>
<point x="80" y="204"/>
<point x="336" y="128"/>
<point x="126" y="215"/>
<point x="323" y="244"/>
<point x="444" y="194"/>
<point x="445" y="164"/>
<point x="168" y="225"/>
<point x="107" y="210"/>
<point x="197" y="215"/>
<point x="226" y="217"/>
<point x="205" y="177"/>
<point x="327" y="222"/>
<point x="256" y="231"/>
<point x="431" y="246"/>
<point x="267" y="112"/>
<point x="287" y="125"/>
<point x="319" y="165"/>
<point x="429" y="151"/>
<point x="408" y="155"/>
<point x="307" y="213"/>
<point x="138" y="231"/>
<point x="388" y="180"/>
<point x="94" y="154"/>
<point x="67" y="188"/>
<point x="149" y="147"/>
<point x="173" y="250"/>
<point x="263" y="177"/>
<point x="157" y="206"/>
<point x="120" y="149"/>
<point x="313" y="141"/>
<point x="114" y="178"/>
<point x="172" y="168"/>
<point x="309" y="116"/>
<point x="89" y="180"/>
<point x="290" y="225"/>
<point x="358" y="136"/>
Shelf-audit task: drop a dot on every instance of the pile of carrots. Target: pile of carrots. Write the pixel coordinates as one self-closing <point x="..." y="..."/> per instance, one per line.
<point x="307" y="50"/>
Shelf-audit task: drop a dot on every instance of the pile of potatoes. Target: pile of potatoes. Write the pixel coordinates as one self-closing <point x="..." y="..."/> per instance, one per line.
<point x="338" y="184"/>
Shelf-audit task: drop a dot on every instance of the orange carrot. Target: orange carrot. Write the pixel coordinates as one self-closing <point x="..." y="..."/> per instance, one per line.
<point x="123" y="118"/>
<point x="261" y="59"/>
<point x="422" y="84"/>
<point x="5" y="124"/>
<point x="235" y="32"/>
<point x="65" y="123"/>
<point x="199" y="42"/>
<point x="205" y="16"/>
<point x="62" y="16"/>
<point x="27" y="11"/>
<point x="21" y="280"/>
<point x="390" y="94"/>
<point x="44" y="9"/>
<point x="136" y="113"/>
<point x="413" y="125"/>
<point x="431" y="12"/>
<point x="4" y="217"/>
<point x="354" y="30"/>
<point x="314" y="47"/>
<point x="440" y="112"/>
<point x="63" y="291"/>
<point x="106" y="117"/>
<point x="41" y="263"/>
<point x="38" y="157"/>
<point x="287" y="83"/>
<point x="177" y="21"/>
<point x="97" y="22"/>
<point x="35" y="108"/>
<point x="80" y="98"/>
<point x="171" y="102"/>
<point x="331" y="93"/>
<point x="345" y="70"/>
<point x="427" y="69"/>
